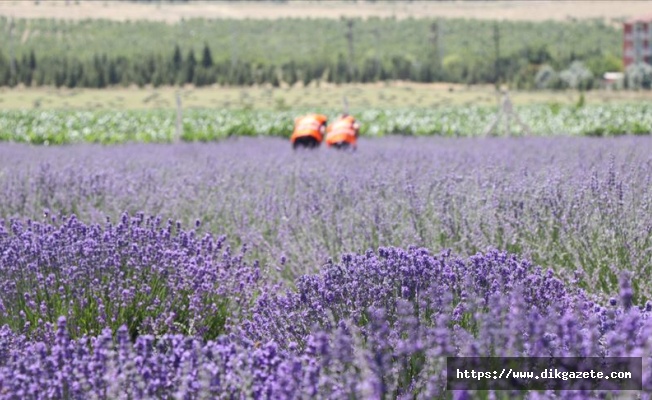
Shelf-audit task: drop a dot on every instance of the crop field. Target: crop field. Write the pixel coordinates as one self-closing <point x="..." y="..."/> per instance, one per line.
<point x="389" y="95"/>
<point x="311" y="38"/>
<point x="107" y="127"/>
<point x="242" y="269"/>
<point x="379" y="95"/>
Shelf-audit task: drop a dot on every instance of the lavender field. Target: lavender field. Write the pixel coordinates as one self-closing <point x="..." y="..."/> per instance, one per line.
<point x="244" y="270"/>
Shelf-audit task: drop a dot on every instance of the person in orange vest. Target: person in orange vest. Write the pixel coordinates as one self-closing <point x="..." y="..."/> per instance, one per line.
<point x="343" y="134"/>
<point x="308" y="131"/>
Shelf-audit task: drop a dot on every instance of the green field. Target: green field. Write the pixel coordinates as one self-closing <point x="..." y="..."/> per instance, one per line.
<point x="97" y="53"/>
<point x="109" y="127"/>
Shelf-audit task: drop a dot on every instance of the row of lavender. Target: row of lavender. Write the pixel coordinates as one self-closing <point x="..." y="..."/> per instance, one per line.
<point x="374" y="325"/>
<point x="139" y="306"/>
<point x="577" y="205"/>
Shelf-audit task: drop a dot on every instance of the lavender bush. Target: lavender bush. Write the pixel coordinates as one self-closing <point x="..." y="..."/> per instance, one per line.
<point x="151" y="277"/>
<point x="377" y="325"/>
<point x="386" y="321"/>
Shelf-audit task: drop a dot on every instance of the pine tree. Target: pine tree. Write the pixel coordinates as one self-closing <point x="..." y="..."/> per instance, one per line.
<point x="290" y="73"/>
<point x="157" y="79"/>
<point x="4" y="71"/>
<point x="60" y="74"/>
<point x="71" y="77"/>
<point x="113" y="73"/>
<point x="191" y="63"/>
<point x="273" y="77"/>
<point x="6" y="76"/>
<point x="177" y="59"/>
<point x="98" y="63"/>
<point x="24" y="73"/>
<point x="101" y="81"/>
<point x="340" y="71"/>
<point x="207" y="58"/>
<point x="306" y="75"/>
<point x="32" y="60"/>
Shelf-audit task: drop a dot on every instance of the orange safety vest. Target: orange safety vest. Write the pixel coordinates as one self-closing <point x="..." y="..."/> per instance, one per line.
<point x="341" y="131"/>
<point x="308" y="126"/>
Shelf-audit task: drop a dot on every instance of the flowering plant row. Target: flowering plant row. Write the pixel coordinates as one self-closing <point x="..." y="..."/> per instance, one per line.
<point x="89" y="311"/>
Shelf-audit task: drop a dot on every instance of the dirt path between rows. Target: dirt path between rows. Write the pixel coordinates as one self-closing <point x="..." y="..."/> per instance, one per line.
<point x="171" y="13"/>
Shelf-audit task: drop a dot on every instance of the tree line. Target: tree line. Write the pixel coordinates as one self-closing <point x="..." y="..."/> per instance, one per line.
<point x="179" y="68"/>
<point x="205" y="52"/>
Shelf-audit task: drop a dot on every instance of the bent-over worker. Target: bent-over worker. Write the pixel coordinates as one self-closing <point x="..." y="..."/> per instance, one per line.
<point x="343" y="134"/>
<point x="308" y="131"/>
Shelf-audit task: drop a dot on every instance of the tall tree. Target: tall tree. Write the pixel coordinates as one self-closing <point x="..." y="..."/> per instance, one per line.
<point x="191" y="63"/>
<point x="113" y="73"/>
<point x="32" y="60"/>
<point x="177" y="59"/>
<point x="206" y="58"/>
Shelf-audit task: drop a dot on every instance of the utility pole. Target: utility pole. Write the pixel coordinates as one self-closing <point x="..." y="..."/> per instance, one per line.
<point x="434" y="42"/>
<point x="376" y="33"/>
<point x="441" y="31"/>
<point x="12" y="55"/>
<point x="497" y="56"/>
<point x="349" y="38"/>
<point x="436" y="46"/>
<point x="234" y="39"/>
